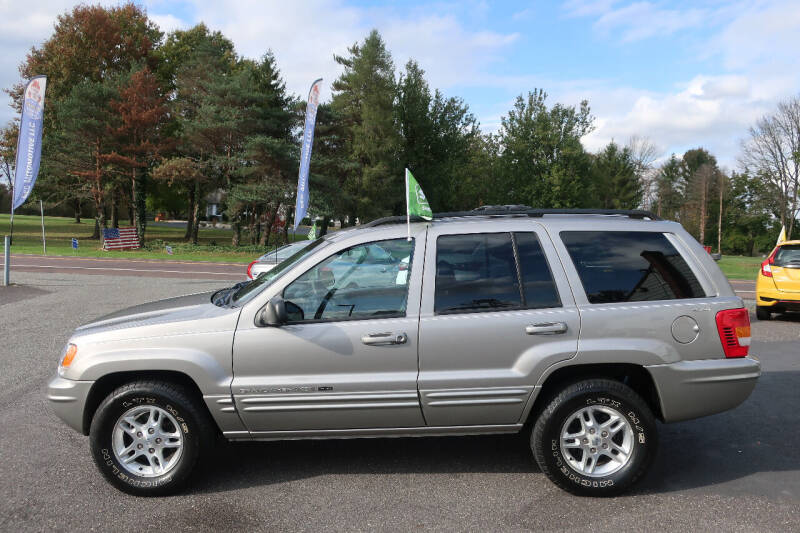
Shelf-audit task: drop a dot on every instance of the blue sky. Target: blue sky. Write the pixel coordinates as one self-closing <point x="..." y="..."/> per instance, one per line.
<point x="682" y="74"/>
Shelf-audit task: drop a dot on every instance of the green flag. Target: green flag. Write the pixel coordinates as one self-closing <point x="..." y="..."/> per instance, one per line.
<point x="312" y="233"/>
<point x="416" y="203"/>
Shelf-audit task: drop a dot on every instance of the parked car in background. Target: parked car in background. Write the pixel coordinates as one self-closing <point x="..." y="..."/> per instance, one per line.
<point x="267" y="262"/>
<point x="578" y="328"/>
<point x="778" y="282"/>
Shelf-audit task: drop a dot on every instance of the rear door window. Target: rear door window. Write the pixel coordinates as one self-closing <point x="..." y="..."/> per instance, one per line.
<point x="492" y="271"/>
<point x="629" y="266"/>
<point x="539" y="289"/>
<point x="476" y="272"/>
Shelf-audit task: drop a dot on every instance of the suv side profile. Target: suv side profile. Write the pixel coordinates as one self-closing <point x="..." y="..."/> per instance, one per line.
<point x="579" y="328"/>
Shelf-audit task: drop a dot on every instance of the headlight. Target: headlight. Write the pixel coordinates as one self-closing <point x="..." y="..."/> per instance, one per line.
<point x="67" y="357"/>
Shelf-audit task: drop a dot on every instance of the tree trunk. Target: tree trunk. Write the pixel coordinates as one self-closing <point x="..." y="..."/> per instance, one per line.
<point x="326" y="220"/>
<point x="77" y="207"/>
<point x="140" y="207"/>
<point x="190" y="212"/>
<point x="237" y="229"/>
<point x="703" y="212"/>
<point x="195" y="218"/>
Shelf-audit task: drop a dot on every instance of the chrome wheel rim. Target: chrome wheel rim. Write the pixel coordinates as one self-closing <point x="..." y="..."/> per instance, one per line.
<point x="596" y="441"/>
<point x="147" y="441"/>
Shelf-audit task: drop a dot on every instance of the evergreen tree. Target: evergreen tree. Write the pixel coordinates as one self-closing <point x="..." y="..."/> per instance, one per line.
<point x="614" y="178"/>
<point x="364" y="97"/>
<point x="542" y="162"/>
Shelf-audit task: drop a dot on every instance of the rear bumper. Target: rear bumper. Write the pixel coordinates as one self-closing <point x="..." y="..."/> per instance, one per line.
<point x="68" y="399"/>
<point x="767" y="295"/>
<point x="691" y="389"/>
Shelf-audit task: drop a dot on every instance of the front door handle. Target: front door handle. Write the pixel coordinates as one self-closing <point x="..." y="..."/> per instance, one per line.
<point x="546" y="328"/>
<point x="384" y="339"/>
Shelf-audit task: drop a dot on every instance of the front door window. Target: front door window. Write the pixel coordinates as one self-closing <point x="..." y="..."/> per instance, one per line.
<point x="365" y="281"/>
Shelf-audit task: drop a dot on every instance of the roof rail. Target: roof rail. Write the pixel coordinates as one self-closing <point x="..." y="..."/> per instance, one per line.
<point x="514" y="210"/>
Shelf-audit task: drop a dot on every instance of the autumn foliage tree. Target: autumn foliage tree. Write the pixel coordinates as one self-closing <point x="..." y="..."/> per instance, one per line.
<point x="141" y="109"/>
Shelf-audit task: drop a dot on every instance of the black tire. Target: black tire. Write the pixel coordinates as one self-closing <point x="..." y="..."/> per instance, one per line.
<point x="195" y="428"/>
<point x="546" y="437"/>
<point x="763" y="313"/>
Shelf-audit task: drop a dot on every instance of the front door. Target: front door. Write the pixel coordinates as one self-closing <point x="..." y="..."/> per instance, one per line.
<point x="497" y="311"/>
<point x="347" y="359"/>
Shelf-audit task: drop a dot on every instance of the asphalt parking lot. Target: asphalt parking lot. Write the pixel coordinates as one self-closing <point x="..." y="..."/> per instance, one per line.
<point x="736" y="471"/>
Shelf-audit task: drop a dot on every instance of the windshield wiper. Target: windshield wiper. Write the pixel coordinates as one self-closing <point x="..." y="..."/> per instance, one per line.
<point x="226" y="294"/>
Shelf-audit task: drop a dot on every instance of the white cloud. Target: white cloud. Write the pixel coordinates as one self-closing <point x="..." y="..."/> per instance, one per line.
<point x="642" y="20"/>
<point x="754" y="47"/>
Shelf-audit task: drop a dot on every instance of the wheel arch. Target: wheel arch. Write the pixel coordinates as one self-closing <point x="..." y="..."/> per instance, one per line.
<point x="103" y="386"/>
<point x="634" y="376"/>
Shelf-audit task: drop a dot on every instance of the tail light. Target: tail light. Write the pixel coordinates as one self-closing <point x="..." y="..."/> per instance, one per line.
<point x="402" y="267"/>
<point x="766" y="266"/>
<point x="250" y="269"/>
<point x="734" y="331"/>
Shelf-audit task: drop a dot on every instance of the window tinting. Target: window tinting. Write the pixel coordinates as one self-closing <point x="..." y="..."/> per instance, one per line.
<point x="537" y="280"/>
<point x="624" y="266"/>
<point x="365" y="281"/>
<point x="788" y="254"/>
<point x="475" y="272"/>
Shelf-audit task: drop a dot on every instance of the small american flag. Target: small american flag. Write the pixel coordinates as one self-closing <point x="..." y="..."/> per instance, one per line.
<point x="120" y="239"/>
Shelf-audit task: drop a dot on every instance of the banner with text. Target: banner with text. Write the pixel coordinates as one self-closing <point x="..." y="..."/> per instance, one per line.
<point x="29" y="142"/>
<point x="305" y="153"/>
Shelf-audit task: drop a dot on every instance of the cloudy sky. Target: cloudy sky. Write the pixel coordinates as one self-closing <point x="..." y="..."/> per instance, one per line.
<point x="683" y="74"/>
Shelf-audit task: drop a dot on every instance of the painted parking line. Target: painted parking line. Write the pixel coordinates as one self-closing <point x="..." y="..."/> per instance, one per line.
<point x="147" y="270"/>
<point x="124" y="259"/>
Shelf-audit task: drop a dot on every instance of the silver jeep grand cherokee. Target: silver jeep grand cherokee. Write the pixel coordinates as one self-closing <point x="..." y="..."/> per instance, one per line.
<point x="580" y="328"/>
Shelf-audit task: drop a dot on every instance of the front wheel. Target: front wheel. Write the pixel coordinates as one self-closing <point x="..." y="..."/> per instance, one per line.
<point x="596" y="437"/>
<point x="146" y="437"/>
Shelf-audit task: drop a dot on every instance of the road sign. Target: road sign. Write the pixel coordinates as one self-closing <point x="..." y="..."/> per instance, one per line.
<point x="74" y="243"/>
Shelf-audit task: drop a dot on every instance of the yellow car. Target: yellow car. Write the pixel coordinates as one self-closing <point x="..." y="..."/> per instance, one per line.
<point x="778" y="283"/>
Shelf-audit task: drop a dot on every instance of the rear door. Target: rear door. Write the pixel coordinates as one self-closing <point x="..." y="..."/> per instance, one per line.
<point x="496" y="311"/>
<point x="786" y="268"/>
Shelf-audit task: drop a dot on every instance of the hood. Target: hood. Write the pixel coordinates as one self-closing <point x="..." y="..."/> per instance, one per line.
<point x="192" y="307"/>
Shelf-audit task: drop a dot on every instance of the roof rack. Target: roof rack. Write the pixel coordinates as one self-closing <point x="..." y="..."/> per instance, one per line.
<point x="517" y="210"/>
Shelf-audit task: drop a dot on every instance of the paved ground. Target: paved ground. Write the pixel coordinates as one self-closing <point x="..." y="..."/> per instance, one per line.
<point x="737" y="471"/>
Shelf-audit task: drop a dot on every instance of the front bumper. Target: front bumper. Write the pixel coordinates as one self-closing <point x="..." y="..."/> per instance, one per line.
<point x="68" y="399"/>
<point x="691" y="389"/>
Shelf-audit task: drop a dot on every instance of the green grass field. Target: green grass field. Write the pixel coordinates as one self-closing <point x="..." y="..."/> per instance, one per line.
<point x="740" y="267"/>
<point x="213" y="243"/>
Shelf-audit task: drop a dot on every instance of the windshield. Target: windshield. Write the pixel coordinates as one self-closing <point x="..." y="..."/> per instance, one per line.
<point x="254" y="287"/>
<point x="788" y="254"/>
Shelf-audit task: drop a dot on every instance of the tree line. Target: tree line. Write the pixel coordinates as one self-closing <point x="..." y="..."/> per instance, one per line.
<point x="137" y="121"/>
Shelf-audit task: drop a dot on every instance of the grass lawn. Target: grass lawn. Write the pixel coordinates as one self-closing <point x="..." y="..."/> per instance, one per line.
<point x="740" y="267"/>
<point x="213" y="243"/>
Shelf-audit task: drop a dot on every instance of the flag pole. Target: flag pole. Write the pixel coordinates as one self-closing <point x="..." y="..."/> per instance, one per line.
<point x="408" y="214"/>
<point x="44" y="242"/>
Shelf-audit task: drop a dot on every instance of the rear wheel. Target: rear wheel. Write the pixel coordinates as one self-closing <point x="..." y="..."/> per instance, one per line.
<point x="596" y="437"/>
<point x="147" y="436"/>
<point x="763" y="313"/>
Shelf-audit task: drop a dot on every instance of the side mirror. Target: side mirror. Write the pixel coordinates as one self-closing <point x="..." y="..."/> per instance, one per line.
<point x="273" y="314"/>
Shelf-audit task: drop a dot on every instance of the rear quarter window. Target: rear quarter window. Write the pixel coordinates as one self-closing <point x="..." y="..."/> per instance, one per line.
<point x="630" y="266"/>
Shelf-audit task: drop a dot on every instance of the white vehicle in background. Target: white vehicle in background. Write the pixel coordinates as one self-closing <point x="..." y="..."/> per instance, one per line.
<point x="269" y="260"/>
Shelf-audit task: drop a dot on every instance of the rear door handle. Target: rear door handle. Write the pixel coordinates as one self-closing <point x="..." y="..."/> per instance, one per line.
<point x="384" y="339"/>
<point x="546" y="328"/>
